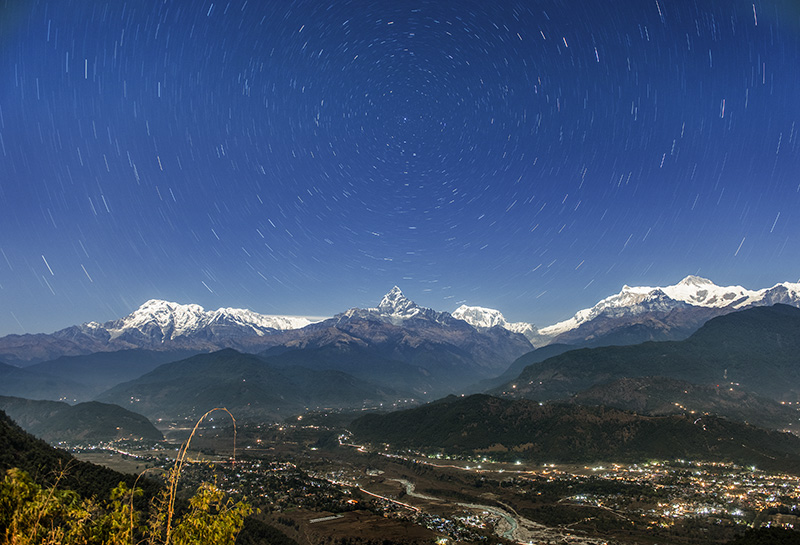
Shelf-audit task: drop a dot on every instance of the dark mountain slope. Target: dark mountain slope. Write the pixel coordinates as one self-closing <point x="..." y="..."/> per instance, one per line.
<point x="102" y="370"/>
<point x="659" y="396"/>
<point x="89" y="422"/>
<point x="36" y="385"/>
<point x="245" y="384"/>
<point x="758" y="348"/>
<point x="363" y="362"/>
<point x="568" y="433"/>
<point x="48" y="465"/>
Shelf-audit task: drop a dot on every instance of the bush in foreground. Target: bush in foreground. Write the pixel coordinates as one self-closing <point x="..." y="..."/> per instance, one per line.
<point x="31" y="515"/>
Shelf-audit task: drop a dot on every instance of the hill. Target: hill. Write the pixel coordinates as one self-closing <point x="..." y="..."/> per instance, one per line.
<point x="364" y="362"/>
<point x="90" y="422"/>
<point x="567" y="433"/>
<point x="757" y="349"/>
<point x="45" y="464"/>
<point x="659" y="396"/>
<point x="102" y="370"/>
<point x="37" y="385"/>
<point x="246" y="384"/>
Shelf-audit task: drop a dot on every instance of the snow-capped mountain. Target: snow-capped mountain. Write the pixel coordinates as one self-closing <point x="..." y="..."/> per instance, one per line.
<point x="399" y="310"/>
<point x="169" y="321"/>
<point x="448" y="350"/>
<point x="633" y="315"/>
<point x="395" y="304"/>
<point x="486" y="318"/>
<point x="156" y="325"/>
<point x="692" y="291"/>
<point x="159" y="321"/>
<point x="655" y="313"/>
<point x="402" y="329"/>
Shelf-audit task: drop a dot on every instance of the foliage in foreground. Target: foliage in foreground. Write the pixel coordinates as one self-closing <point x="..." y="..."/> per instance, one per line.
<point x="31" y="514"/>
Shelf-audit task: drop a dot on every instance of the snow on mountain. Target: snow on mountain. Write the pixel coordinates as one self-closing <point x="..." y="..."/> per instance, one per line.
<point x="482" y="317"/>
<point x="399" y="310"/>
<point x="172" y="320"/>
<point x="787" y="293"/>
<point x="163" y="320"/>
<point x="691" y="291"/>
<point x="704" y="293"/>
<point x="396" y="305"/>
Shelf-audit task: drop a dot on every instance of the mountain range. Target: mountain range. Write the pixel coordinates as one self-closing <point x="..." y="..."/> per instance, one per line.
<point x="397" y="346"/>
<point x="642" y="313"/>
<point x="451" y="352"/>
<point x="156" y="325"/>
<point x="246" y="384"/>
<point x="634" y="315"/>
<point x="399" y="350"/>
<point x="755" y="350"/>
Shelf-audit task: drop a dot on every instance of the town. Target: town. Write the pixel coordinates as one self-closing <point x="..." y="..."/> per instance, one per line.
<point x="315" y="485"/>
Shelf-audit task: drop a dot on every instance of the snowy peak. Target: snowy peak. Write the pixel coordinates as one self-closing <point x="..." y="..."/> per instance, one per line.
<point x="164" y="320"/>
<point x="171" y="319"/>
<point x="702" y="292"/>
<point x="696" y="281"/>
<point x="395" y="303"/>
<point x="399" y="310"/>
<point x="485" y="318"/>
<point x="480" y="316"/>
<point x="692" y="291"/>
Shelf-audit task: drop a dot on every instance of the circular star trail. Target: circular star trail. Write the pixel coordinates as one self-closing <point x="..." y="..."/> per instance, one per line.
<point x="303" y="157"/>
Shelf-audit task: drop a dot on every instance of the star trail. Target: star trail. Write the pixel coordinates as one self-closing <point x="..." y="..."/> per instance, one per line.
<point x="303" y="157"/>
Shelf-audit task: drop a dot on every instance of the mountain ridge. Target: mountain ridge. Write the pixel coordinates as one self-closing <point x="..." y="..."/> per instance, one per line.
<point x="90" y="422"/>
<point x="553" y="432"/>
<point x="246" y="384"/>
<point x="633" y="315"/>
<point x="640" y="313"/>
<point x="757" y="349"/>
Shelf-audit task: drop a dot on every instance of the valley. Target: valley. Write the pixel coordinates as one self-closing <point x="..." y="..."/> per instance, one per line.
<point x="403" y="424"/>
<point x="317" y="486"/>
<point x="380" y="272"/>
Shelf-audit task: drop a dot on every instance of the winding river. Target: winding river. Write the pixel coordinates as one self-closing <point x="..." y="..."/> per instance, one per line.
<point x="510" y="520"/>
<point x="516" y="528"/>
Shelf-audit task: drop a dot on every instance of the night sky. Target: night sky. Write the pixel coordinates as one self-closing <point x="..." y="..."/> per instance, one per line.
<point x="304" y="157"/>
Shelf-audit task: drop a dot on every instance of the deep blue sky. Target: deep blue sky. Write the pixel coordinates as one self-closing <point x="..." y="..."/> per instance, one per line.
<point x="304" y="157"/>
